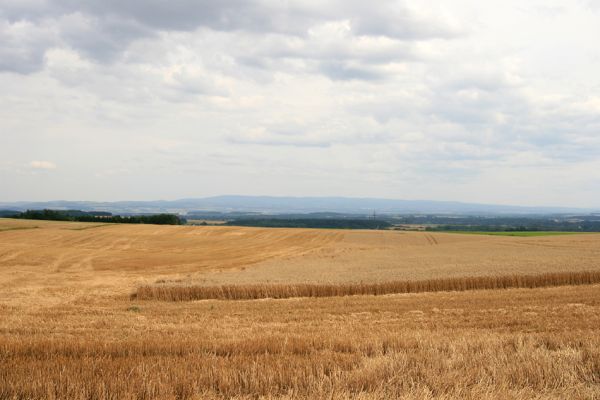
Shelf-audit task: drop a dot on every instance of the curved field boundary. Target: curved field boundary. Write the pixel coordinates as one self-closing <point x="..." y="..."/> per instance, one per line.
<point x="284" y="291"/>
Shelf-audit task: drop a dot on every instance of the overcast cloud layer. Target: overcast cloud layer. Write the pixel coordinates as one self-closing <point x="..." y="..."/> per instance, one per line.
<point x="495" y="101"/>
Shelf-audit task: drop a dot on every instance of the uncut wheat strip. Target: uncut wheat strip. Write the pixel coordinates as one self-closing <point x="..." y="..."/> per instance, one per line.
<point x="283" y="291"/>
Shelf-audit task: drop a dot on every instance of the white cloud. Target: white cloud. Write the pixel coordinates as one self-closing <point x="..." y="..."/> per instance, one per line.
<point x="42" y="165"/>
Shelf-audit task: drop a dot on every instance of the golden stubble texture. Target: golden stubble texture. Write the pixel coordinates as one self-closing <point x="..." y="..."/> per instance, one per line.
<point x="69" y="330"/>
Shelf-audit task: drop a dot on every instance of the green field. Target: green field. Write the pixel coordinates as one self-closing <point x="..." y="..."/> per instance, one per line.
<point x="518" y="233"/>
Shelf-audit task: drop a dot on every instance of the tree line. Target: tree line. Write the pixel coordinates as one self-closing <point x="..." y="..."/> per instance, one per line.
<point x="99" y="216"/>
<point x="324" y="223"/>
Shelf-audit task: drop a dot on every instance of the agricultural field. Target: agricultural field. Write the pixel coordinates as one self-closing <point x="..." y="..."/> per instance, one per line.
<point x="206" y="222"/>
<point x="72" y="325"/>
<point x="517" y="233"/>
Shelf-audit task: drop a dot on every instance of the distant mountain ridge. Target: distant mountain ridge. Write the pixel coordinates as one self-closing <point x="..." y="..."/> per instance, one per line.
<point x="276" y="205"/>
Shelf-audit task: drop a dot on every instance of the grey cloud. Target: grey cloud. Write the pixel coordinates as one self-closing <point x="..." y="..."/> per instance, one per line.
<point x="404" y="105"/>
<point x="279" y="134"/>
<point x="325" y="130"/>
<point x="345" y="71"/>
<point x="476" y="99"/>
<point x="15" y="10"/>
<point x="187" y="15"/>
<point x="388" y="18"/>
<point x="483" y="116"/>
<point x="482" y="81"/>
<point x="393" y="19"/>
<point x="196" y="82"/>
<point x="333" y="42"/>
<point x="556" y="134"/>
<point x="331" y="51"/>
<point x="565" y="134"/>
<point x="104" y="29"/>
<point x="174" y="15"/>
<point x="471" y="108"/>
<point x="276" y="140"/>
<point x="100" y="39"/>
<point x="22" y="46"/>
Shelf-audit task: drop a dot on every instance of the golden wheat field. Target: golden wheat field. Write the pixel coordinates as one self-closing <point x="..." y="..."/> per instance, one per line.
<point x="71" y="326"/>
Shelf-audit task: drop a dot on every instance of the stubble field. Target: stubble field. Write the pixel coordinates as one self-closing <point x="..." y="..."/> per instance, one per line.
<point x="69" y="329"/>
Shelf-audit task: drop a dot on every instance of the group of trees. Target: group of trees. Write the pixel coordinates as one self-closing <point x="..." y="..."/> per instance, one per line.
<point x="564" y="226"/>
<point x="98" y="216"/>
<point x="584" y="223"/>
<point x="327" y="223"/>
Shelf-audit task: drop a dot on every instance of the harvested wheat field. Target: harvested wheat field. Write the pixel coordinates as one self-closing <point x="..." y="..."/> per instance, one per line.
<point x="526" y="326"/>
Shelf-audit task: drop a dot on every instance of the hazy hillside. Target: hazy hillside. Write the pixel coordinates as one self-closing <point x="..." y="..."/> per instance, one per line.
<point x="266" y="204"/>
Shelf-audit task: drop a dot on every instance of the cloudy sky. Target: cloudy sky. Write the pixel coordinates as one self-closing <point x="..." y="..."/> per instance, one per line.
<point x="495" y="101"/>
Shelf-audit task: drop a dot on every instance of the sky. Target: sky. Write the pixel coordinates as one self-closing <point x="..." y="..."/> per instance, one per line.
<point x="491" y="102"/>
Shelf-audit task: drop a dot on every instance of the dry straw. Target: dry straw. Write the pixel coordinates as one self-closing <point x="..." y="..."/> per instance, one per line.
<point x="284" y="291"/>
